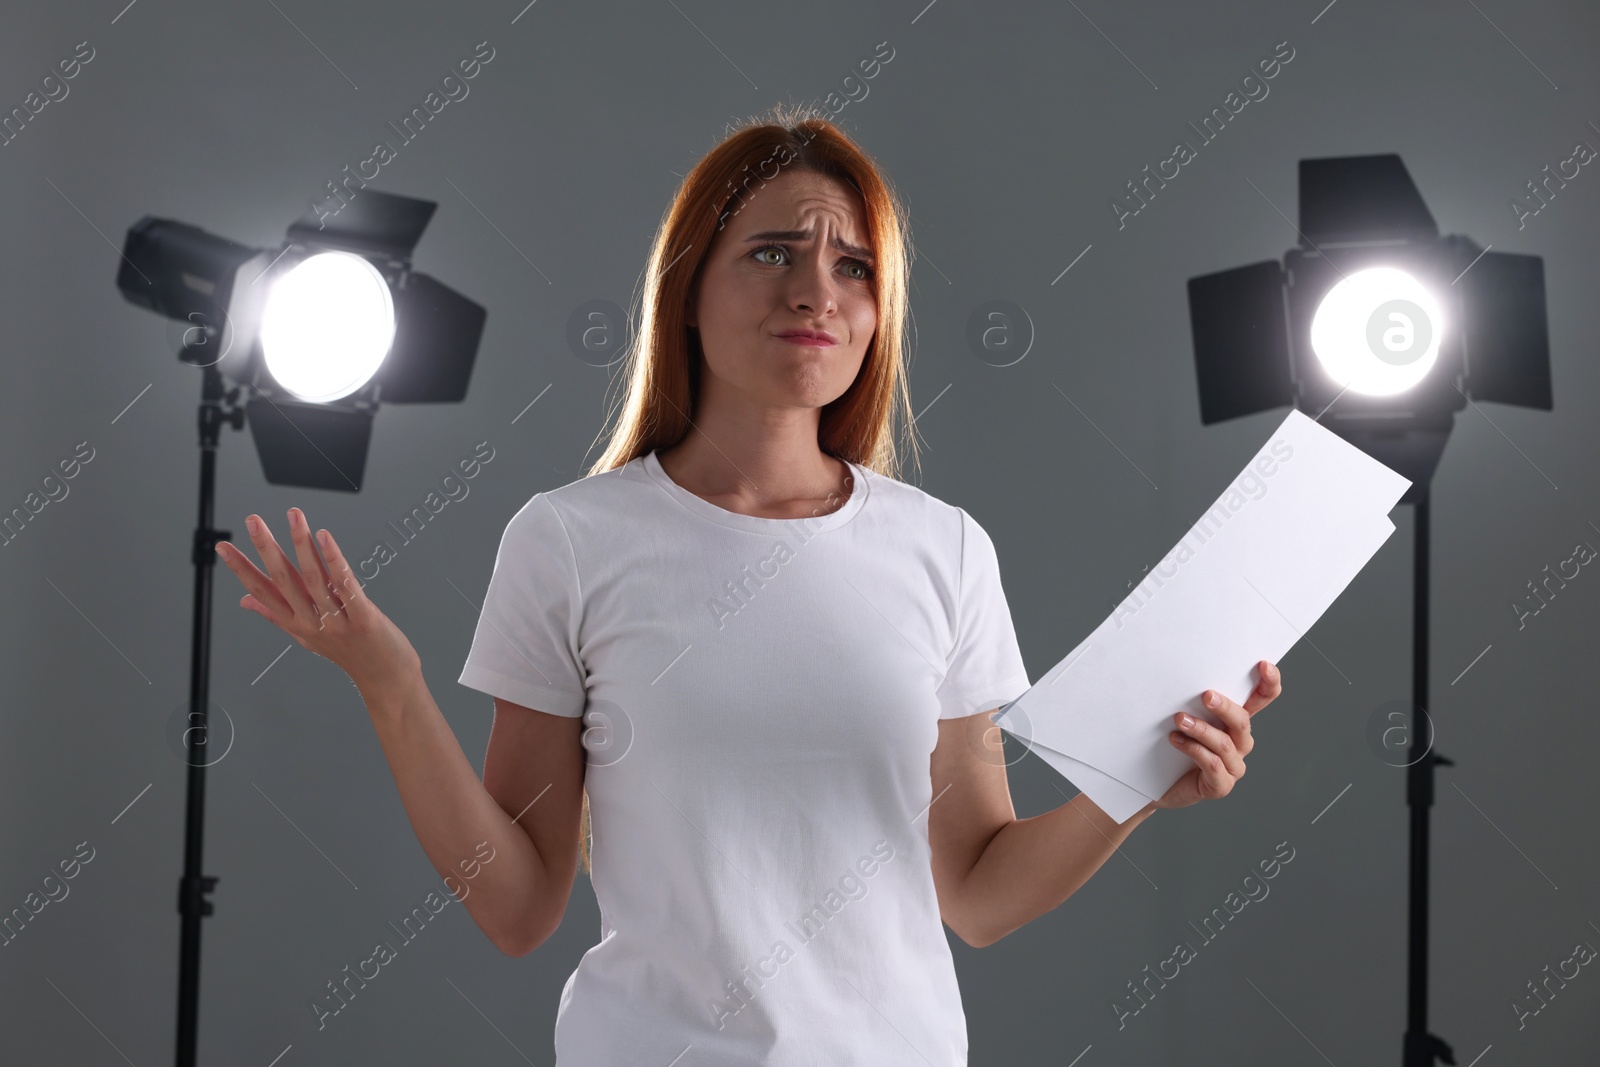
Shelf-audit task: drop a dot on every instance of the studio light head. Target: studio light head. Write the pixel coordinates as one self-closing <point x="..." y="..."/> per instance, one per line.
<point x="1375" y="324"/>
<point x="317" y="331"/>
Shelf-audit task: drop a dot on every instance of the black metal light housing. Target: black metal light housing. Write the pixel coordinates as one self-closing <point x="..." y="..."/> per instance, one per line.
<point x="1252" y="325"/>
<point x="220" y="289"/>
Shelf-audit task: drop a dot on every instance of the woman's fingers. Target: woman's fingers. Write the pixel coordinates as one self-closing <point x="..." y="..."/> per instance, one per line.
<point x="320" y="603"/>
<point x="285" y="576"/>
<point x="1235" y="722"/>
<point x="1267" y="689"/>
<point x="262" y="594"/>
<point x="1218" y="743"/>
<point x="283" y="620"/>
<point x="1218" y="752"/>
<point x="345" y="582"/>
<point x="1216" y="778"/>
<point x="313" y="573"/>
<point x="331" y="590"/>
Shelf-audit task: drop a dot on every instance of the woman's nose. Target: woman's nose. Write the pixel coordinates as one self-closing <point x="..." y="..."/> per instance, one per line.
<point x="811" y="287"/>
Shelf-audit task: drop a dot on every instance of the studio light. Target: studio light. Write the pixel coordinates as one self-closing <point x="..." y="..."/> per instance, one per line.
<point x="316" y="332"/>
<point x="312" y="336"/>
<point x="1381" y="330"/>
<point x="1375" y="325"/>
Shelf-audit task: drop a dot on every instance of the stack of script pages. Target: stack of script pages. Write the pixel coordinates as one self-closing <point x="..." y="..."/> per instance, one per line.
<point x="1243" y="585"/>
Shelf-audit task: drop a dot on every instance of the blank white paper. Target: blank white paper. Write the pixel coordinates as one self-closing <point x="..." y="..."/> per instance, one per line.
<point x="1244" y="584"/>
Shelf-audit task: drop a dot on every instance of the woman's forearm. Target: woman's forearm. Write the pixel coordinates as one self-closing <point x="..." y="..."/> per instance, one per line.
<point x="1032" y="865"/>
<point x="512" y="898"/>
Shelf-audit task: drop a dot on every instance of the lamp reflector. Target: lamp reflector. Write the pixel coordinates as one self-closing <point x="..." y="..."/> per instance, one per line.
<point x="1377" y="331"/>
<point x="328" y="323"/>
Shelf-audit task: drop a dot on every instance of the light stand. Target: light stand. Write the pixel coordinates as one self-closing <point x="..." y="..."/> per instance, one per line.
<point x="1375" y="304"/>
<point x="1421" y="1047"/>
<point x="217" y="409"/>
<point x="351" y="326"/>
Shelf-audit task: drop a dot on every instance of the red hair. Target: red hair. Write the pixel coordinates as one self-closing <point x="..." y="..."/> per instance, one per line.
<point x="662" y="364"/>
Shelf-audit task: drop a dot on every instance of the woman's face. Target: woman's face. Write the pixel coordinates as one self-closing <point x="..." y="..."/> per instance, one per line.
<point x="795" y="257"/>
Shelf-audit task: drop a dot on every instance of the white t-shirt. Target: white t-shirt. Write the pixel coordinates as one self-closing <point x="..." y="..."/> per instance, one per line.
<point x="761" y="699"/>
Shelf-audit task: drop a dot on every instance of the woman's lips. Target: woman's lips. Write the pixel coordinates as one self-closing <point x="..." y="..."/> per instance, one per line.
<point x="813" y="342"/>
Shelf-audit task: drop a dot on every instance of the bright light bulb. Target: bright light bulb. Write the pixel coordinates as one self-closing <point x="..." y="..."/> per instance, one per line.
<point x="1377" y="331"/>
<point x="327" y="326"/>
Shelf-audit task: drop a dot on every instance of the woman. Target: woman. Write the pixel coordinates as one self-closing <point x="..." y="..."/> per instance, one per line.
<point x="786" y="656"/>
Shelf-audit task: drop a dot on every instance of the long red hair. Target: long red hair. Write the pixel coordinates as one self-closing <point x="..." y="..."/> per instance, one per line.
<point x="662" y="363"/>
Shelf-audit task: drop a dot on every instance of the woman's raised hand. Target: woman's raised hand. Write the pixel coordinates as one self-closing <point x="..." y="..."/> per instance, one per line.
<point x="323" y="607"/>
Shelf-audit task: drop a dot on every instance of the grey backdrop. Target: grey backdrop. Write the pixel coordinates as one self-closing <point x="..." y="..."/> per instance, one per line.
<point x="1008" y="127"/>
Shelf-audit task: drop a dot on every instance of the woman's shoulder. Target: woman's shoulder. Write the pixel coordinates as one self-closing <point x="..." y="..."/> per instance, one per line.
<point x="586" y="499"/>
<point x="905" y="496"/>
<point x="911" y="505"/>
<point x="599" y="488"/>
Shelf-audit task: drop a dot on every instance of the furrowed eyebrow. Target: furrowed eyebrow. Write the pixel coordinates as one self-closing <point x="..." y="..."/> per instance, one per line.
<point x="806" y="235"/>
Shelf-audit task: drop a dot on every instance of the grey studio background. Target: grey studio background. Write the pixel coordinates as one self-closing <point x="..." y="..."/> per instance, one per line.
<point x="1008" y="127"/>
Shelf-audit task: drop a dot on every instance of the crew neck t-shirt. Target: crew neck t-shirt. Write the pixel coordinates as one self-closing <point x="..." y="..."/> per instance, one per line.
<point x="761" y="700"/>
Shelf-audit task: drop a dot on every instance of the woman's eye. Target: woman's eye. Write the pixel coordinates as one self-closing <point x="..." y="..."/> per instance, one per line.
<point x="865" y="275"/>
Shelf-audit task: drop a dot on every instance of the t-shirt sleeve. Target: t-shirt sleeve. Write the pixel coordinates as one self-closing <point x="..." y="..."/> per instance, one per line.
<point x="525" y="649"/>
<point x="985" y="669"/>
